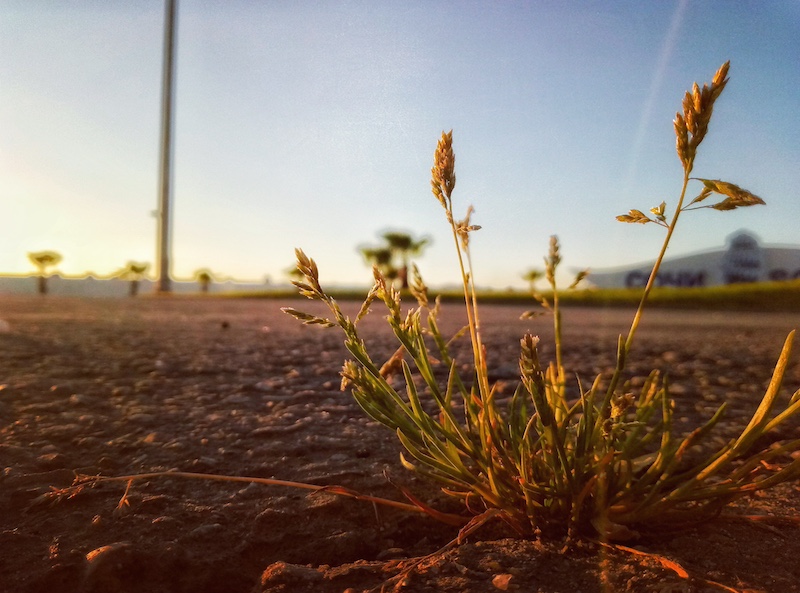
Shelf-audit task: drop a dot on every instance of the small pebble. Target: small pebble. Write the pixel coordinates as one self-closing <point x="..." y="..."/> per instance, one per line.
<point x="206" y="530"/>
<point x="107" y="566"/>
<point x="391" y="553"/>
<point x="503" y="582"/>
<point x="285" y="573"/>
<point x="51" y="461"/>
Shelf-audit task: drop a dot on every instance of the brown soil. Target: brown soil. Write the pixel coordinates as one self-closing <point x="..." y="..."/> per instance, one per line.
<point x="235" y="387"/>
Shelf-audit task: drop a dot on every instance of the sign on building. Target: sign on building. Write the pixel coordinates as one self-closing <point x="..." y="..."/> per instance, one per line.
<point x="744" y="259"/>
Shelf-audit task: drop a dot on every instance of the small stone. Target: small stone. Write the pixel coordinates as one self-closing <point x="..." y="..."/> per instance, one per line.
<point x="503" y="582"/>
<point x="670" y="356"/>
<point x="207" y="530"/>
<point x="252" y="489"/>
<point x="282" y="573"/>
<point x="51" y="461"/>
<point x="391" y="554"/>
<point x="266" y="385"/>
<point x="108" y="567"/>
<point x="78" y="399"/>
<point x="677" y="389"/>
<point x="637" y="381"/>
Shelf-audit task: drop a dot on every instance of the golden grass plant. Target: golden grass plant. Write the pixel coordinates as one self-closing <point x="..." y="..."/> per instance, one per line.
<point x="606" y="462"/>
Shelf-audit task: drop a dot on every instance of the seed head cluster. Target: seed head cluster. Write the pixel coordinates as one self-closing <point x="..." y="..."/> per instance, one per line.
<point x="692" y="125"/>
<point x="443" y="176"/>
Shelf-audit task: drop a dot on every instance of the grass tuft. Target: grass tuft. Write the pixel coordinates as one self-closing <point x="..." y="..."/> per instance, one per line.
<point x="607" y="463"/>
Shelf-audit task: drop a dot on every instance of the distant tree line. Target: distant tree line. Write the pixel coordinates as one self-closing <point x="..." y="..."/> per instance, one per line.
<point x="133" y="272"/>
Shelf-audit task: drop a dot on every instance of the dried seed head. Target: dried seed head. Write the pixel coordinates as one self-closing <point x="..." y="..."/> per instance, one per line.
<point x="464" y="228"/>
<point x="555" y="248"/>
<point x="394" y="365"/>
<point x="635" y="216"/>
<point x="702" y="195"/>
<point x="308" y="268"/>
<point x="529" y="355"/>
<point x="307" y="318"/>
<point x="735" y="196"/>
<point x="659" y="211"/>
<point x="350" y="372"/>
<point x="552" y="260"/>
<point x="579" y="277"/>
<point x="418" y="287"/>
<point x="682" y="139"/>
<point x="365" y="306"/>
<point x="443" y="177"/>
<point x="697" y="98"/>
<point x="698" y="105"/>
<point x="720" y="78"/>
<point x="620" y="405"/>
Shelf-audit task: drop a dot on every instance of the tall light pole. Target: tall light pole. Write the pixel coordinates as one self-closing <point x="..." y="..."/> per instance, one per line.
<point x="164" y="281"/>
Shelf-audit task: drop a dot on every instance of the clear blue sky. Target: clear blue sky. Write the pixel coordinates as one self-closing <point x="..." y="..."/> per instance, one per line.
<point x="313" y="124"/>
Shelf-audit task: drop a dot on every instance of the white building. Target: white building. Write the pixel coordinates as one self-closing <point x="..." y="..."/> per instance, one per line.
<point x="743" y="259"/>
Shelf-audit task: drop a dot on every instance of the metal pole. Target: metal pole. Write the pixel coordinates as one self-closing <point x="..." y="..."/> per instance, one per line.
<point x="164" y="281"/>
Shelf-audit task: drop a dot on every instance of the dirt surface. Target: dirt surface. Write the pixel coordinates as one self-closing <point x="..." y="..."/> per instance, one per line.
<point x="235" y="387"/>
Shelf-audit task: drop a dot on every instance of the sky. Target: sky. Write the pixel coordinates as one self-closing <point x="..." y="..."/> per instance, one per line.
<point x="313" y="124"/>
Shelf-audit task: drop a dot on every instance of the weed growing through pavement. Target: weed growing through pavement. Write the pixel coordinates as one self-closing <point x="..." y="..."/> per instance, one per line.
<point x="606" y="463"/>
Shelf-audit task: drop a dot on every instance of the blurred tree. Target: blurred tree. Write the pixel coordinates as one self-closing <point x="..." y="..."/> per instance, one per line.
<point x="403" y="247"/>
<point x="43" y="260"/>
<point x="204" y="278"/>
<point x="134" y="271"/>
<point x="532" y="276"/>
<point x="381" y="258"/>
<point x="393" y="258"/>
